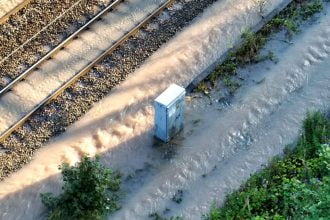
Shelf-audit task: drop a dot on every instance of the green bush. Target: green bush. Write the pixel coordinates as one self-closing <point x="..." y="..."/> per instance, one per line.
<point x="89" y="192"/>
<point x="296" y="186"/>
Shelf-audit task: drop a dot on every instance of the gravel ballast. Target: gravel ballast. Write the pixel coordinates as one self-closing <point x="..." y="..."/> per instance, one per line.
<point x="37" y="28"/>
<point x="9" y="7"/>
<point x="56" y="116"/>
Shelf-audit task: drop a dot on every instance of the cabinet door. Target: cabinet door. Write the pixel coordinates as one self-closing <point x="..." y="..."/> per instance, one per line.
<point x="175" y="117"/>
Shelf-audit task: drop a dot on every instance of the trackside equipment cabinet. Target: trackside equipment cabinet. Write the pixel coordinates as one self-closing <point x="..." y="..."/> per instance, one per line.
<point x="169" y="109"/>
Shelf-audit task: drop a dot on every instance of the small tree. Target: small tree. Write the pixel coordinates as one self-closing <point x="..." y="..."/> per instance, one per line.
<point x="90" y="191"/>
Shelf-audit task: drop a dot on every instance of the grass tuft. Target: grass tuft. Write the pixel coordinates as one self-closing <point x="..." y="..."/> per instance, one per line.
<point x="248" y="53"/>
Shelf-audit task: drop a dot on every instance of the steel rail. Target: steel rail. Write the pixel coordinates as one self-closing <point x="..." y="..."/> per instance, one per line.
<point x="86" y="69"/>
<point x="58" y="47"/>
<point x="14" y="10"/>
<point x="42" y="30"/>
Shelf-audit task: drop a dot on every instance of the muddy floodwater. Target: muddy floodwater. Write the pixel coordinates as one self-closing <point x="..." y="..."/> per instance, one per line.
<point x="222" y="142"/>
<point x="222" y="145"/>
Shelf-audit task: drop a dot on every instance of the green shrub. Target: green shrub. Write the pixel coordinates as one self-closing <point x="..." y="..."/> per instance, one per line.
<point x="89" y="192"/>
<point x="294" y="187"/>
<point x="310" y="9"/>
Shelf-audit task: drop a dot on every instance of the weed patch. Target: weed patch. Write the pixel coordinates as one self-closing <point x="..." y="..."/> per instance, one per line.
<point x="177" y="198"/>
<point x="89" y="192"/>
<point x="296" y="186"/>
<point x="248" y="53"/>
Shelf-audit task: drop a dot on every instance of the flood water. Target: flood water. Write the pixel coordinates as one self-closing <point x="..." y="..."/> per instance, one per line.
<point x="219" y="153"/>
<point x="220" y="145"/>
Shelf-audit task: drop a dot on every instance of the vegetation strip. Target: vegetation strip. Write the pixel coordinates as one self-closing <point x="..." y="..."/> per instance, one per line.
<point x="288" y="19"/>
<point x="298" y="185"/>
<point x="294" y="187"/>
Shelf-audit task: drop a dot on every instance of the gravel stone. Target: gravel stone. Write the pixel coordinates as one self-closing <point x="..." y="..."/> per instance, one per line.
<point x="21" y="28"/>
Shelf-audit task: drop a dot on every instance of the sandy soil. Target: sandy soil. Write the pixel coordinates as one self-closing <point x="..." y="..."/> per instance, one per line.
<point x="227" y="145"/>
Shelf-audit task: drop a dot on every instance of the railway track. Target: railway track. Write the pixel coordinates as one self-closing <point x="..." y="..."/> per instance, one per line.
<point x="18" y="115"/>
<point x="51" y="53"/>
<point x="14" y="10"/>
<point x="53" y="118"/>
<point x="41" y="26"/>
